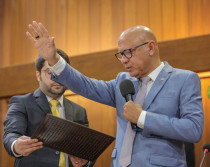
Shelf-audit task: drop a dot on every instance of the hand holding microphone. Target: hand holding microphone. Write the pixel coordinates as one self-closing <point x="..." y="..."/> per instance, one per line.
<point x="127" y="90"/>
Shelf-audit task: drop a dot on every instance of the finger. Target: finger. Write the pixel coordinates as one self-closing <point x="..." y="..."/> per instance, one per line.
<point x="36" y="144"/>
<point x="52" y="43"/>
<point x="43" y="30"/>
<point x="24" y="137"/>
<point x="31" y="38"/>
<point x="25" y="145"/>
<point x="28" y="151"/>
<point x="37" y="29"/>
<point x="34" y="32"/>
<point x="76" y="164"/>
<point x="27" y="140"/>
<point x="32" y="141"/>
<point x="130" y="102"/>
<point x="83" y="162"/>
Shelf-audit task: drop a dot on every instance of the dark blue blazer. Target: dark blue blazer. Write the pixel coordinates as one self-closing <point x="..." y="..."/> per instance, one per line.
<point x="24" y="116"/>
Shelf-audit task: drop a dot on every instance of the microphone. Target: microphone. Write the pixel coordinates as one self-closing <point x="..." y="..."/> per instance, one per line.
<point x="206" y="149"/>
<point x="206" y="146"/>
<point x="127" y="90"/>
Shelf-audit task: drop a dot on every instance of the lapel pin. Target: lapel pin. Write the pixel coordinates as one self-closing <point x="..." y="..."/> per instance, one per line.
<point x="161" y="79"/>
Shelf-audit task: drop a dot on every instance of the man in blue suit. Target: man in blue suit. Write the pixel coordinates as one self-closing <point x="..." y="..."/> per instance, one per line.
<point x="172" y="112"/>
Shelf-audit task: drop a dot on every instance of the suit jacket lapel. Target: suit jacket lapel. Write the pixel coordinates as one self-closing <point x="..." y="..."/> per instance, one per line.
<point x="68" y="109"/>
<point x="157" y="86"/>
<point x="42" y="102"/>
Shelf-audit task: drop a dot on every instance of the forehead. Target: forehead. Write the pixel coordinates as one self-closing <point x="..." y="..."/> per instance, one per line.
<point x="128" y="42"/>
<point x="131" y="38"/>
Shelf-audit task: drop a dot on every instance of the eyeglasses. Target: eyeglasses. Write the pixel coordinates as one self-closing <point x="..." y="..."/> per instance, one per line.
<point x="47" y="73"/>
<point x="128" y="52"/>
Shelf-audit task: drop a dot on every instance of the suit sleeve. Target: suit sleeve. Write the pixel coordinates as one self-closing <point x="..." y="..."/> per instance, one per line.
<point x="97" y="90"/>
<point x="188" y="124"/>
<point x="15" y="123"/>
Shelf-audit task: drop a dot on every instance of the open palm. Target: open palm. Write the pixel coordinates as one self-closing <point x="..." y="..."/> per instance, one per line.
<point x="43" y="43"/>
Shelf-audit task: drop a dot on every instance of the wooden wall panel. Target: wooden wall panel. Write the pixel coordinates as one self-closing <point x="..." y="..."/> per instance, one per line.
<point x="168" y="15"/>
<point x="1" y="30"/>
<point x="95" y="20"/>
<point x="84" y="26"/>
<point x="206" y="16"/>
<point x="72" y="27"/>
<point x="5" y="159"/>
<point x="142" y="12"/>
<point x="117" y="20"/>
<point x="129" y="13"/>
<point x="195" y="17"/>
<point x="181" y="19"/>
<point x="106" y="24"/>
<point x="155" y="18"/>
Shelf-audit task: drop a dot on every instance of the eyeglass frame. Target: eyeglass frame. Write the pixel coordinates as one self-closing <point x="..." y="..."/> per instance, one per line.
<point x="131" y="50"/>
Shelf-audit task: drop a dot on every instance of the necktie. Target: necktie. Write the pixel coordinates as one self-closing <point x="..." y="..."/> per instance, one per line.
<point x="54" y="104"/>
<point x="127" y="147"/>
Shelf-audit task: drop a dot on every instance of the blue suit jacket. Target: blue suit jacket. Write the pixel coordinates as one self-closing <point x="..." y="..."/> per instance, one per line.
<point x="24" y="115"/>
<point x="174" y="113"/>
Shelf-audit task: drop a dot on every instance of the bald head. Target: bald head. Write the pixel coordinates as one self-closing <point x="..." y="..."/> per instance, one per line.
<point x="138" y="33"/>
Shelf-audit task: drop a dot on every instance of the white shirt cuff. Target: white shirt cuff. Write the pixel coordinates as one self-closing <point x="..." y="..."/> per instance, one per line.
<point x="16" y="155"/>
<point x="58" y="67"/>
<point x="141" y="119"/>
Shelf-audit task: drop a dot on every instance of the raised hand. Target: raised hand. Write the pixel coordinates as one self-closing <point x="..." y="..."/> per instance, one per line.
<point x="43" y="43"/>
<point x="25" y="145"/>
<point x="77" y="162"/>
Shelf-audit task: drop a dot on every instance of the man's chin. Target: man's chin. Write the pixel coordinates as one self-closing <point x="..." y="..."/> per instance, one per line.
<point x="57" y="91"/>
<point x="132" y="74"/>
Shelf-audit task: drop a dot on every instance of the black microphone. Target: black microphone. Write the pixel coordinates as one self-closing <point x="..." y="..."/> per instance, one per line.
<point x="206" y="149"/>
<point x="127" y="90"/>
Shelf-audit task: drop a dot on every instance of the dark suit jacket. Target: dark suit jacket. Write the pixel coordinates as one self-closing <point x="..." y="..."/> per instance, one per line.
<point x="24" y="116"/>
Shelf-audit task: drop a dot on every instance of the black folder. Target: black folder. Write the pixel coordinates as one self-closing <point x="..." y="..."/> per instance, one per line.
<point x="72" y="138"/>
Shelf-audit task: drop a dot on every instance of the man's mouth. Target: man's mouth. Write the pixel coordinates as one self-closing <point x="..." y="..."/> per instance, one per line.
<point x="56" y="85"/>
<point x="128" y="69"/>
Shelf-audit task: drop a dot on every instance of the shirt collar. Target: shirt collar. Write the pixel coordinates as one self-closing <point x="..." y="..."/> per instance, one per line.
<point x="60" y="99"/>
<point x="153" y="75"/>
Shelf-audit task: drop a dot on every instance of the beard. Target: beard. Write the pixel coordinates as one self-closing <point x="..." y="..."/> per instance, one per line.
<point x="56" y="92"/>
<point x="51" y="90"/>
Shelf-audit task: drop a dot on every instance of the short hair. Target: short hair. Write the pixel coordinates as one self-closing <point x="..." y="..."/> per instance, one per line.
<point x="40" y="61"/>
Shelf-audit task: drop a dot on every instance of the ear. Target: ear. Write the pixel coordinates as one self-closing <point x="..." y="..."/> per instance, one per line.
<point x="152" y="47"/>
<point x="38" y="75"/>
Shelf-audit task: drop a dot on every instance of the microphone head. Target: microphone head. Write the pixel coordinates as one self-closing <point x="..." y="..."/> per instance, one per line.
<point x="206" y="146"/>
<point x="126" y="87"/>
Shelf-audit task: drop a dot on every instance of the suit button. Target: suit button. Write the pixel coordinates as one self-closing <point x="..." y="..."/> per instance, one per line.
<point x="57" y="152"/>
